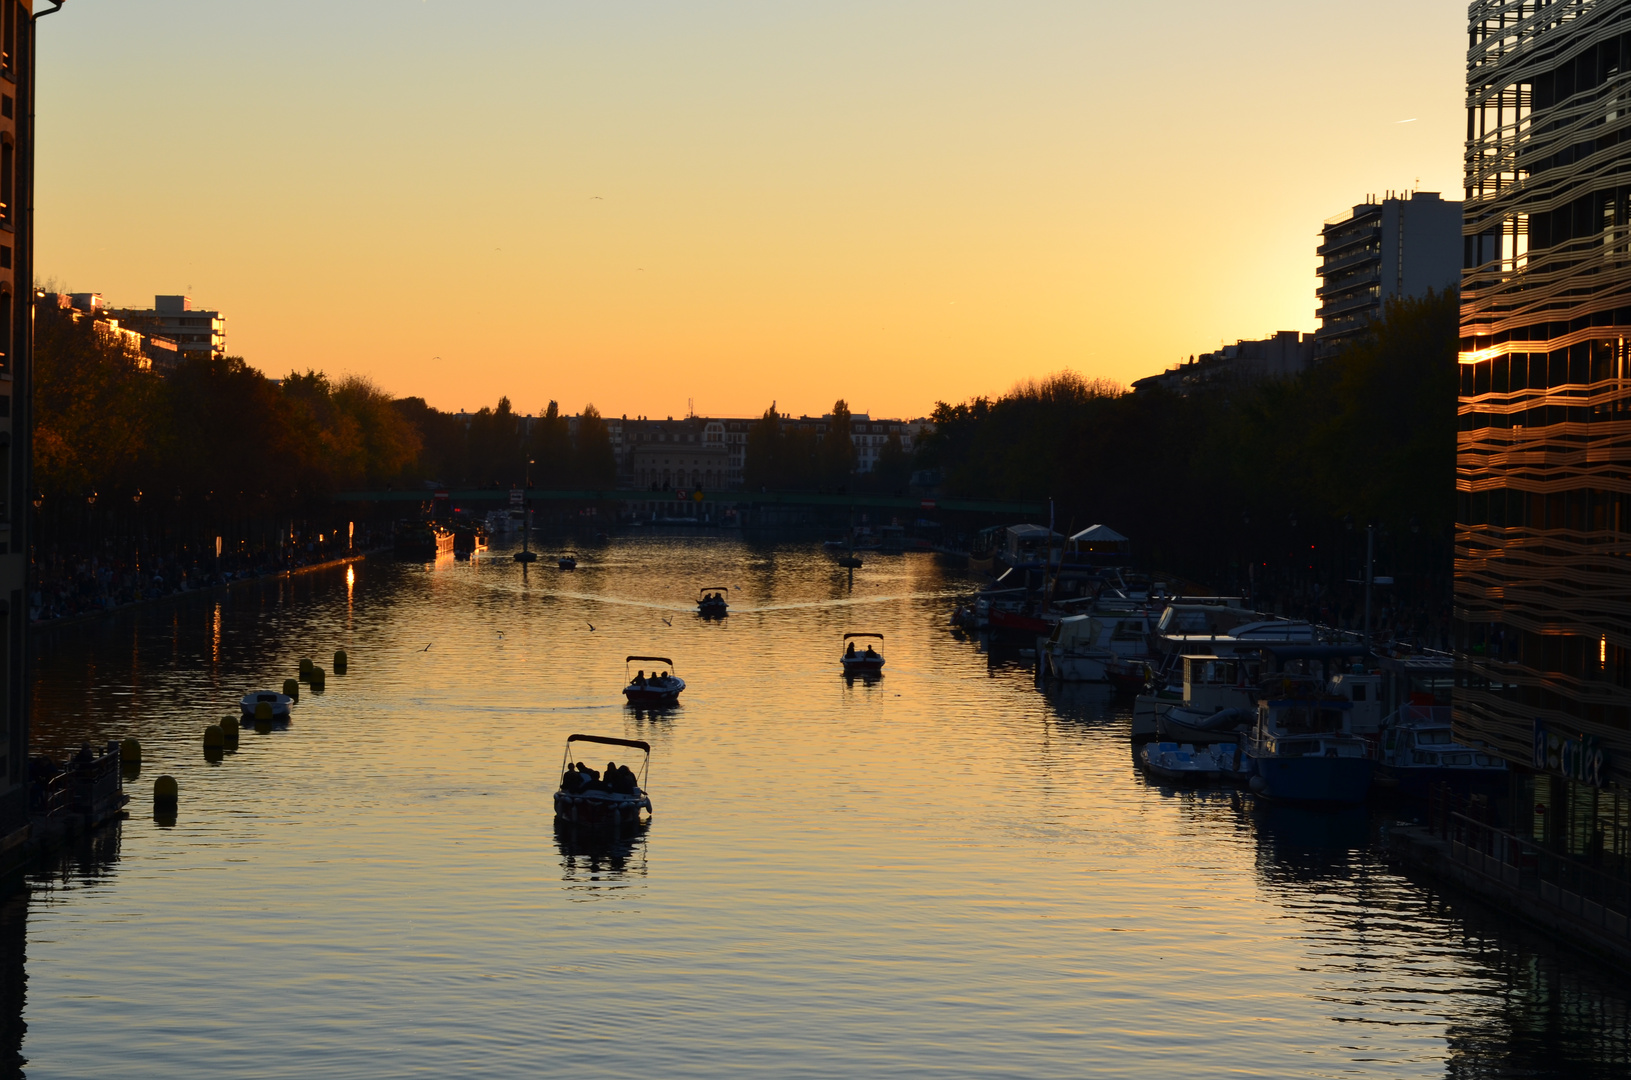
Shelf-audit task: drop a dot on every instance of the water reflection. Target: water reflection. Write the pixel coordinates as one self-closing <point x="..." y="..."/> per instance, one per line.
<point x="594" y="859"/>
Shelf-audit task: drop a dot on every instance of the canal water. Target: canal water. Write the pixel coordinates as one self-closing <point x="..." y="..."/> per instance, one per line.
<point x="943" y="873"/>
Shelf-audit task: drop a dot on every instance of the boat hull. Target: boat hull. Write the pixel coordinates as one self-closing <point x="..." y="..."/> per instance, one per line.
<point x="651" y="699"/>
<point x="1016" y="621"/>
<point x="598" y="808"/>
<point x="859" y="666"/>
<point x="1312" y="779"/>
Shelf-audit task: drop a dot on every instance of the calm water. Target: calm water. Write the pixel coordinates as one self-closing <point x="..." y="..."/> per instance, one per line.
<point x="945" y="873"/>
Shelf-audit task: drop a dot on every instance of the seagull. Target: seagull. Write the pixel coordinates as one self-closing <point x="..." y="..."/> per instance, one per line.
<point x="591" y="628"/>
<point x="592" y="198"/>
<point x="428" y="644"/>
<point x="501" y="633"/>
<point x="670" y="622"/>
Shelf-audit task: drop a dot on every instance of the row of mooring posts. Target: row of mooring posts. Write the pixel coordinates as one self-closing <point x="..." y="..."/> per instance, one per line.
<point x="222" y="738"/>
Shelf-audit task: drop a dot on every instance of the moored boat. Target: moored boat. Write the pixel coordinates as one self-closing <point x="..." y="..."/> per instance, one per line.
<point x="1417" y="752"/>
<point x="279" y="703"/>
<point x="654" y="690"/>
<point x="1303" y="749"/>
<point x="1186" y="763"/>
<point x="423" y="540"/>
<point x="614" y="797"/>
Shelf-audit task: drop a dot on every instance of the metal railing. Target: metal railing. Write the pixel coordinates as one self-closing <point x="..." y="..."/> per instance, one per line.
<point x="1523" y="862"/>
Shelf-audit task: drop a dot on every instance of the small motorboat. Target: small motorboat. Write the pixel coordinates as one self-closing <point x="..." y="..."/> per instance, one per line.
<point x="711" y="602"/>
<point x="868" y="661"/>
<point x="280" y="703"/>
<point x="653" y="690"/>
<point x="568" y="561"/>
<point x="1185" y="763"/>
<point x="615" y="797"/>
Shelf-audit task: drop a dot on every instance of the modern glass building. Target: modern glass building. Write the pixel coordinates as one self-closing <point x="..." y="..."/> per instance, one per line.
<point x="1543" y="554"/>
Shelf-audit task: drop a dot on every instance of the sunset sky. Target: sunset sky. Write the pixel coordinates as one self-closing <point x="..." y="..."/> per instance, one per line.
<point x="635" y="204"/>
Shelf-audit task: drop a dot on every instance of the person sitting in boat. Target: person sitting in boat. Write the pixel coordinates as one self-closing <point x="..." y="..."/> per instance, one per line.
<point x="870" y="655"/>
<point x="849" y="651"/>
<point x="640" y="678"/>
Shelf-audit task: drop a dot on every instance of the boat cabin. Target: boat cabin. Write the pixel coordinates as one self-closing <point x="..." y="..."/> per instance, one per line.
<point x="1363" y="690"/>
<point x="1213" y="682"/>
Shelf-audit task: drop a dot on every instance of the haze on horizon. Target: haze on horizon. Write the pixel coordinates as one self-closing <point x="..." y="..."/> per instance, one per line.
<point x="638" y="204"/>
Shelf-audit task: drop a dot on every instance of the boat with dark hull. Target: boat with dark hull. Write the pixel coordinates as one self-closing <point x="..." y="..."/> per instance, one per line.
<point x="615" y="798"/>
<point x="653" y="691"/>
<point x="1303" y="748"/>
<point x="868" y="661"/>
<point x="711" y="602"/>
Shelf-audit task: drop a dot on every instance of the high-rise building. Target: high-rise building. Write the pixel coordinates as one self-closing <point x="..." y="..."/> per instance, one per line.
<point x="16" y="395"/>
<point x="1396" y="246"/>
<point x="1543" y="457"/>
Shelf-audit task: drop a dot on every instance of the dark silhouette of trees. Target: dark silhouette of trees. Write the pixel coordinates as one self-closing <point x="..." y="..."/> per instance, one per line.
<point x="593" y="460"/>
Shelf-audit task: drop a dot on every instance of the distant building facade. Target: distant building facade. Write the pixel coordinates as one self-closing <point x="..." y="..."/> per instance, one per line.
<point x="1283" y="354"/>
<point x="192" y="330"/>
<point x="1400" y="246"/>
<point x="155" y="353"/>
<point x="1543" y="463"/>
<point x="655" y="451"/>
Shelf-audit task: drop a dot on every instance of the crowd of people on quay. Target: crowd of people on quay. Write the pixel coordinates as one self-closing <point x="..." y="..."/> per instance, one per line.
<point x="66" y="584"/>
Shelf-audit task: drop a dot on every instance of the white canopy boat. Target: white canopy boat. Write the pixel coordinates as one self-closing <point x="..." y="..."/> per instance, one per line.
<point x="868" y="661"/>
<point x="614" y="797"/>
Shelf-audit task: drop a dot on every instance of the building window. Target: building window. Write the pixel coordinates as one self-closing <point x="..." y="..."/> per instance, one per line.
<point x="5" y="328"/>
<point x="8" y="42"/>
<point x="8" y="159"/>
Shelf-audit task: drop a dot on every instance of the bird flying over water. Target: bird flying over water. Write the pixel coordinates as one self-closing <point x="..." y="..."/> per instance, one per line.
<point x="591" y="628"/>
<point x="428" y="644"/>
<point x="668" y="621"/>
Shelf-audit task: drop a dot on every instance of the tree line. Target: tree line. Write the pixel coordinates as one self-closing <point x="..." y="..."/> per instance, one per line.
<point x="1260" y="485"/>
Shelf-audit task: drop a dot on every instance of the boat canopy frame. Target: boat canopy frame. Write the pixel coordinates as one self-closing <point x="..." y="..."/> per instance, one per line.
<point x="627" y="660"/>
<point x="607" y="740"/>
<point x="863" y="633"/>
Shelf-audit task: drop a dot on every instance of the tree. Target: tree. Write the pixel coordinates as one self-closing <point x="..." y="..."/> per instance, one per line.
<point x="594" y="462"/>
<point x="837" y="457"/>
<point x="551" y="449"/>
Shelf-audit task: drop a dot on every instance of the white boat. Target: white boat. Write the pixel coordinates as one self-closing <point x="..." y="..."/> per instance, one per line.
<point x="1184" y="763"/>
<point x="654" y="690"/>
<point x="1098" y="646"/>
<point x="862" y="662"/>
<point x="1210" y="683"/>
<point x="613" y="797"/>
<point x="1418" y="752"/>
<point x="280" y="703"/>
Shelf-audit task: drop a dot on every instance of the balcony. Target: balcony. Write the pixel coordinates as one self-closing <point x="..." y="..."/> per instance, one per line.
<point x="1348" y="305"/>
<point x="1349" y="238"/>
<point x="1349" y="283"/>
<point x="1358" y="258"/>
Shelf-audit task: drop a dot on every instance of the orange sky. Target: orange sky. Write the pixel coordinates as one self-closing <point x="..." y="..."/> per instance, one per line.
<point x="636" y="204"/>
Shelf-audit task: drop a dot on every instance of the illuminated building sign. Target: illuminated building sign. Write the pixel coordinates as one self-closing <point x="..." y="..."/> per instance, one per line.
<point x="1579" y="758"/>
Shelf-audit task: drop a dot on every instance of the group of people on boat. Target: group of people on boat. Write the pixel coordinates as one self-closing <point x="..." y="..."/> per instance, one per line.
<point x="713" y="598"/>
<point x="617" y="779"/>
<point x="851" y="654"/>
<point x="655" y="680"/>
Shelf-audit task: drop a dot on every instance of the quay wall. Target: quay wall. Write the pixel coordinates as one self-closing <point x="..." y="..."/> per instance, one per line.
<point x="1565" y="915"/>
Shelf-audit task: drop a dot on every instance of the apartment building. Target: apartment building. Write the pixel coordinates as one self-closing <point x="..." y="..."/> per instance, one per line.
<point x="1398" y="246"/>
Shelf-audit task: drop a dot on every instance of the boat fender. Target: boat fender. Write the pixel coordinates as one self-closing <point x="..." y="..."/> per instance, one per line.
<point x="305" y="666"/>
<point x="340" y="661"/>
<point x="291" y="689"/>
<point x="229" y="730"/>
<point x="263" y="711"/>
<point x="131" y="751"/>
<point x="165" y="792"/>
<point x="318" y="677"/>
<point x="1257" y="784"/>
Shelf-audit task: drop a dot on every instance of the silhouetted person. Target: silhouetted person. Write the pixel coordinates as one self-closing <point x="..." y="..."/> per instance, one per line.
<point x="850" y="650"/>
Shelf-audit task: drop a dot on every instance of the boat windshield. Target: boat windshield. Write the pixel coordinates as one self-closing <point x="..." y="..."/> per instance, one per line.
<point x="1307" y="719"/>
